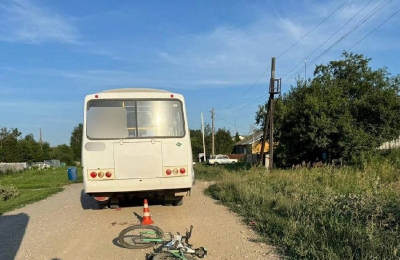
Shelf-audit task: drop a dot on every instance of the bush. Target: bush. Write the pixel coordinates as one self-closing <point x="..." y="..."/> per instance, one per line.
<point x="8" y="192"/>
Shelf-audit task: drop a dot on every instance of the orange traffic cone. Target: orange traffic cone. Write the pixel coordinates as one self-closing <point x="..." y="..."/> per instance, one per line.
<point x="146" y="214"/>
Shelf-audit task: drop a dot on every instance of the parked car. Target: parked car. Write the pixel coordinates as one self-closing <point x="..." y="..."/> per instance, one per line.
<point x="221" y="159"/>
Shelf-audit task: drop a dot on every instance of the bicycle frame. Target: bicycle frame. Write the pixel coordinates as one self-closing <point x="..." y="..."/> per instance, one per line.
<point x="177" y="246"/>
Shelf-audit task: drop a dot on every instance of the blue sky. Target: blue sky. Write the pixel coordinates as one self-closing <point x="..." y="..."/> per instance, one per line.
<point x="216" y="53"/>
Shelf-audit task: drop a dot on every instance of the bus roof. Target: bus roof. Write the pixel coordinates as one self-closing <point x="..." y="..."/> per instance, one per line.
<point x="119" y="90"/>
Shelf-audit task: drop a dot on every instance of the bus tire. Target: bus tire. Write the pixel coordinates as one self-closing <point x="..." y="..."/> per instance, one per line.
<point x="103" y="204"/>
<point x="168" y="202"/>
<point x="178" y="202"/>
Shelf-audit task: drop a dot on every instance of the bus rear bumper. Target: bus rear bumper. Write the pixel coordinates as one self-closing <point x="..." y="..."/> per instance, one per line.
<point x="180" y="184"/>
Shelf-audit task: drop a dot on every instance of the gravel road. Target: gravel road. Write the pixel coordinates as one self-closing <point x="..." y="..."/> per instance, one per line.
<point x="68" y="225"/>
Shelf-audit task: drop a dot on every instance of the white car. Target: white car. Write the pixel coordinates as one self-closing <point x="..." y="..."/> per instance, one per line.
<point x="221" y="159"/>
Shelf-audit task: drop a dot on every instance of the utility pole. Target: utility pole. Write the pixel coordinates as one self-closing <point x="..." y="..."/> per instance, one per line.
<point x="305" y="71"/>
<point x="271" y="115"/>
<point x="265" y="131"/>
<point x="269" y="118"/>
<point x="202" y="131"/>
<point x="40" y="138"/>
<point x="212" y="133"/>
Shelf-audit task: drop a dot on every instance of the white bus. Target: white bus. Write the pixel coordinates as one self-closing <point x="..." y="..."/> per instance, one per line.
<point x="136" y="143"/>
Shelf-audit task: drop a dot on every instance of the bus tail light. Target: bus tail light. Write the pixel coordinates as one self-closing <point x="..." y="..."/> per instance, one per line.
<point x="100" y="174"/>
<point x="175" y="171"/>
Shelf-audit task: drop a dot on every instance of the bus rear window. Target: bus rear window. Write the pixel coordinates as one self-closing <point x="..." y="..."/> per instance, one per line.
<point x="142" y="118"/>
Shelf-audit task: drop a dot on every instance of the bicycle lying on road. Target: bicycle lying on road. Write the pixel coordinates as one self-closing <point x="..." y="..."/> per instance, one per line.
<point x="175" y="247"/>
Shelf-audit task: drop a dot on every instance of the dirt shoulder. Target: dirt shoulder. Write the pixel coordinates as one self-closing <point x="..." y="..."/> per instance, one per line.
<point x="69" y="226"/>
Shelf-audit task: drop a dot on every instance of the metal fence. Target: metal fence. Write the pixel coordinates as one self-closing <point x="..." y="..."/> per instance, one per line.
<point x="53" y="163"/>
<point x="13" y="167"/>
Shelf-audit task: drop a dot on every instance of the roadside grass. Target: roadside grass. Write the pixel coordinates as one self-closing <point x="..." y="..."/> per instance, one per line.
<point x="321" y="213"/>
<point x="34" y="185"/>
<point x="212" y="173"/>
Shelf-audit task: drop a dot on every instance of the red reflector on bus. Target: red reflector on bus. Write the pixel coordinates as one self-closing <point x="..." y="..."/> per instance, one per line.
<point x="168" y="172"/>
<point x="172" y="95"/>
<point x="96" y="96"/>
<point x="93" y="174"/>
<point x="108" y="174"/>
<point x="182" y="170"/>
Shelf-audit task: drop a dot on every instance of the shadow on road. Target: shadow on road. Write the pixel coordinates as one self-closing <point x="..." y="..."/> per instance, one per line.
<point x="12" y="230"/>
<point x="88" y="202"/>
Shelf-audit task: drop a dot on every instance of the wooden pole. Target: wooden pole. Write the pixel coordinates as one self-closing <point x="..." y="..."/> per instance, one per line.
<point x="271" y="115"/>
<point x="213" y="132"/>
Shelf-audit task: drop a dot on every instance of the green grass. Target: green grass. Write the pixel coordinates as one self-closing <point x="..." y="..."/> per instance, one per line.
<point x="34" y="185"/>
<point x="323" y="213"/>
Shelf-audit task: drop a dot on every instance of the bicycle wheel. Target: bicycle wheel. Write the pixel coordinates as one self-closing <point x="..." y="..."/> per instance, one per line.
<point x="169" y="256"/>
<point x="139" y="236"/>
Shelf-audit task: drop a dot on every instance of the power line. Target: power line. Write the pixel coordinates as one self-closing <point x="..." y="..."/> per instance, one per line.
<point x="229" y="122"/>
<point x="262" y="75"/>
<point x="313" y="29"/>
<point x="366" y="18"/>
<point x="287" y="50"/>
<point x="372" y="13"/>
<point x="376" y="28"/>
<point x="348" y="21"/>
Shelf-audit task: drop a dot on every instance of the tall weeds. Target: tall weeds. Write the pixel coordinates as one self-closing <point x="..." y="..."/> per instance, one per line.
<point x="323" y="213"/>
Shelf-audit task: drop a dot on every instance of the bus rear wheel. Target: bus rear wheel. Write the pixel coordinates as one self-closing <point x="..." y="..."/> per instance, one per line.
<point x="178" y="202"/>
<point x="103" y="204"/>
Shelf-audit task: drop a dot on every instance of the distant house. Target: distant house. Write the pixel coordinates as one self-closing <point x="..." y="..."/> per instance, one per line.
<point x="250" y="144"/>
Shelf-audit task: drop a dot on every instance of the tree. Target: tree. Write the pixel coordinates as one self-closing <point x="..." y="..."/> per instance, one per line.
<point x="196" y="139"/>
<point x="9" y="145"/>
<point x="76" y="142"/>
<point x="223" y="141"/>
<point x="237" y="137"/>
<point x="16" y="149"/>
<point x="63" y="153"/>
<point x="30" y="150"/>
<point x="346" y="111"/>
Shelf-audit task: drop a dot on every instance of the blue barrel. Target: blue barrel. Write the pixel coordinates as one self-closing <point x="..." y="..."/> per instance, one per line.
<point x="72" y="176"/>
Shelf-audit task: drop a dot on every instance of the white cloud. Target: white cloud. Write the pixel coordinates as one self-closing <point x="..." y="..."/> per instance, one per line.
<point x="294" y="30"/>
<point x="24" y="22"/>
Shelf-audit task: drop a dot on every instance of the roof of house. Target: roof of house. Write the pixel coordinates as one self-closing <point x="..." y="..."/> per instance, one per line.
<point x="256" y="136"/>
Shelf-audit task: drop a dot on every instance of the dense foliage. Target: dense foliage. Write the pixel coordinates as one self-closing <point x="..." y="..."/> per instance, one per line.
<point x="76" y="142"/>
<point x="14" y="148"/>
<point x="345" y="112"/>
